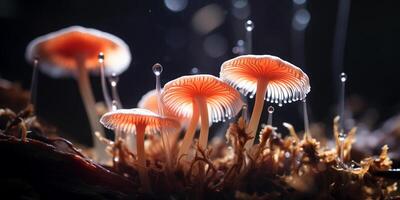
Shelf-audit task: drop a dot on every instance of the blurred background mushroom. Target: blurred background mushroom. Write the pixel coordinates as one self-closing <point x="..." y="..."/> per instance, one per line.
<point x="163" y="31"/>
<point x="74" y="51"/>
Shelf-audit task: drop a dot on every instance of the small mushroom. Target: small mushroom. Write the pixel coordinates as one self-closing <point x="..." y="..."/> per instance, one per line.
<point x="268" y="76"/>
<point x="74" y="51"/>
<point x="140" y="121"/>
<point x="149" y="101"/>
<point x="203" y="96"/>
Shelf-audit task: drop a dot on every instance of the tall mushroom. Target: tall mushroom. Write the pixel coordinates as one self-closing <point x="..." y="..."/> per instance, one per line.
<point x="279" y="80"/>
<point x="74" y="51"/>
<point x="203" y="96"/>
<point x="141" y="120"/>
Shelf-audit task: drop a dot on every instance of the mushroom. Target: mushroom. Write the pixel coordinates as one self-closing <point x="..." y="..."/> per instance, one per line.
<point x="141" y="121"/>
<point x="74" y="51"/>
<point x="203" y="96"/>
<point x="268" y="76"/>
<point x="150" y="101"/>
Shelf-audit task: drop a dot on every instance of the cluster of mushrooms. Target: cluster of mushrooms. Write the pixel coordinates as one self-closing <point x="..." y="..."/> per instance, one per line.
<point x="148" y="137"/>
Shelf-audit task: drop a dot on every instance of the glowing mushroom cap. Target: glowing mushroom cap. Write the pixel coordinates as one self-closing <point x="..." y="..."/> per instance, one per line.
<point x="222" y="100"/>
<point x="149" y="101"/>
<point x="127" y="120"/>
<point x="286" y="82"/>
<point x="60" y="51"/>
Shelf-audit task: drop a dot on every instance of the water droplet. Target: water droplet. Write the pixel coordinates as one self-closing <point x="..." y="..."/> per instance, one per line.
<point x="194" y="70"/>
<point x="239" y="48"/>
<point x="271" y="109"/>
<point x="35" y="61"/>
<point x="249" y="25"/>
<point x="280" y="104"/>
<point x="157" y="69"/>
<point x="301" y="19"/>
<point x="342" y="137"/>
<point x="101" y="57"/>
<point x="114" y="79"/>
<point x="299" y="2"/>
<point x="343" y="77"/>
<point x="114" y="105"/>
<point x="287" y="154"/>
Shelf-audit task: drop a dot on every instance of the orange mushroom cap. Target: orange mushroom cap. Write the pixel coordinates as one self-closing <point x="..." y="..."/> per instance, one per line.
<point x="60" y="51"/>
<point x="286" y="82"/>
<point x="127" y="120"/>
<point x="149" y="101"/>
<point x="222" y="100"/>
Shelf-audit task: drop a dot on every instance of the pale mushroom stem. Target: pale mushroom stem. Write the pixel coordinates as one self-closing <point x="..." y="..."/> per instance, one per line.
<point x="144" y="179"/>
<point x="164" y="134"/>
<point x="33" y="88"/>
<point x="89" y="103"/>
<point x="306" y="122"/>
<point x="106" y="95"/>
<point x="256" y="114"/>
<point x="114" y="91"/>
<point x="203" y="139"/>
<point x="188" y="138"/>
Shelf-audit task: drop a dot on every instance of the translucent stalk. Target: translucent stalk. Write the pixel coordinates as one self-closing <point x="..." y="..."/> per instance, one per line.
<point x="89" y="103"/>
<point x="106" y="95"/>
<point x="34" y="81"/>
<point x="157" y="70"/>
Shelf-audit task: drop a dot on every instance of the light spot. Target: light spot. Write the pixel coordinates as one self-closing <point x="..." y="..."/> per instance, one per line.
<point x="176" y="5"/>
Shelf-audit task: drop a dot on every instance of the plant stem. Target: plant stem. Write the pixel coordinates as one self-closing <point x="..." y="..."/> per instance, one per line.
<point x="203" y="139"/>
<point x="144" y="178"/>
<point x="89" y="103"/>
<point x="106" y="95"/>
<point x="164" y="134"/>
<point x="256" y="114"/>
<point x="188" y="138"/>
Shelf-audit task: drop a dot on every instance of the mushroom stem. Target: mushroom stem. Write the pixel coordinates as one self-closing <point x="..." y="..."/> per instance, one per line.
<point x="203" y="139"/>
<point x="144" y="179"/>
<point x="114" y="92"/>
<point x="306" y="121"/>
<point x="256" y="114"/>
<point x="33" y="88"/>
<point x="89" y="103"/>
<point x="106" y="95"/>
<point x="164" y="134"/>
<point x="188" y="138"/>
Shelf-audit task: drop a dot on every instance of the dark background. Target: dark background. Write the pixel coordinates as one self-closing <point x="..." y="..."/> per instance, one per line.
<point x="156" y="34"/>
